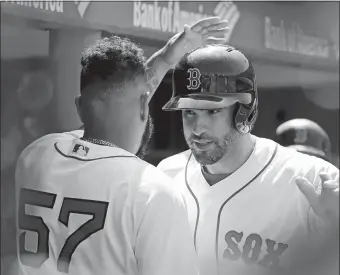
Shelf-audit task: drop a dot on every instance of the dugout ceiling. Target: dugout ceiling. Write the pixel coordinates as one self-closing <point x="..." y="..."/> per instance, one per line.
<point x="291" y="43"/>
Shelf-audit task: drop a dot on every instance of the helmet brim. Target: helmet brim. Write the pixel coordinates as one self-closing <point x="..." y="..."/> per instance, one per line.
<point x="206" y="101"/>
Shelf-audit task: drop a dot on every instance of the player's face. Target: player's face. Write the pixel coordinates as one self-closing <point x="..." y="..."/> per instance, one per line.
<point x="209" y="133"/>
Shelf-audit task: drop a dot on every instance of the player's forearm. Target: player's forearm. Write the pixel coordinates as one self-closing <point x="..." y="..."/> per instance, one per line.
<point x="156" y="70"/>
<point x="160" y="63"/>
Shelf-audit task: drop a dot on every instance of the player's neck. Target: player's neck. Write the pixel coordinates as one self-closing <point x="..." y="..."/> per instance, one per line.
<point x="237" y="155"/>
<point x="104" y="136"/>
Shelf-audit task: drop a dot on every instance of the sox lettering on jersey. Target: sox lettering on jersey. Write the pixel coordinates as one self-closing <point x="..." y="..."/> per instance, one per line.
<point x="252" y="249"/>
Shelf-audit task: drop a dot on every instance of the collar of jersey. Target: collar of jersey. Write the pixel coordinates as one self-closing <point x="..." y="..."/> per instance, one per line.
<point x="95" y="151"/>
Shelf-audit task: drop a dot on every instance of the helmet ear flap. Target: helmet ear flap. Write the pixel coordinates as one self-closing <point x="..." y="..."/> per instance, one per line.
<point x="245" y="117"/>
<point x="253" y="113"/>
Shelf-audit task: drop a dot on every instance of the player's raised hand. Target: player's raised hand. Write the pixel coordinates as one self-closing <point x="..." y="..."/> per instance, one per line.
<point x="206" y="31"/>
<point x="325" y="199"/>
<point x="210" y="30"/>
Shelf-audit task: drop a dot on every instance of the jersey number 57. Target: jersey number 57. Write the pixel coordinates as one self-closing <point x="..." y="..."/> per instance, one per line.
<point x="36" y="224"/>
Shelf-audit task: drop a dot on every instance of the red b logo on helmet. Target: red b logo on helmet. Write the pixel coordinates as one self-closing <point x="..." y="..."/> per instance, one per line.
<point x="194" y="79"/>
<point x="301" y="136"/>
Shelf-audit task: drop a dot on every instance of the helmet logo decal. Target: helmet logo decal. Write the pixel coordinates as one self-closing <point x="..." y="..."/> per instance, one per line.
<point x="226" y="81"/>
<point x="194" y="79"/>
<point x="300" y="136"/>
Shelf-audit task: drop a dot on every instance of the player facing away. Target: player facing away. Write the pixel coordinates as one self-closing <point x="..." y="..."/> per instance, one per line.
<point x="305" y="136"/>
<point x="85" y="203"/>
<point x="254" y="206"/>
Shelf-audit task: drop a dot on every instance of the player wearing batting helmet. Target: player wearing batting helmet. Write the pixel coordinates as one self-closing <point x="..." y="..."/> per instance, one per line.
<point x="305" y="136"/>
<point x="255" y="207"/>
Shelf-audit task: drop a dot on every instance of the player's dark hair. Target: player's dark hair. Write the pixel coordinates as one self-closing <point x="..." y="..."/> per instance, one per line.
<point x="115" y="60"/>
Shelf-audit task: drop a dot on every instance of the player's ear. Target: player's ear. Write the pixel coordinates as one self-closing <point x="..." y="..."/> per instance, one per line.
<point x="144" y="106"/>
<point x="78" y="104"/>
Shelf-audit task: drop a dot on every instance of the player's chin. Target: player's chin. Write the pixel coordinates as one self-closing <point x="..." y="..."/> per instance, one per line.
<point x="204" y="157"/>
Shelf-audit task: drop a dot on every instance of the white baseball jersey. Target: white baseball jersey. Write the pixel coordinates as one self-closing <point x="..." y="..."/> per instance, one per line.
<point x="86" y="209"/>
<point x="255" y="221"/>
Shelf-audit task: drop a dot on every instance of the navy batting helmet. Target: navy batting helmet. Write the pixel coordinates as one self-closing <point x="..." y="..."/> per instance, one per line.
<point x="305" y="136"/>
<point x="216" y="76"/>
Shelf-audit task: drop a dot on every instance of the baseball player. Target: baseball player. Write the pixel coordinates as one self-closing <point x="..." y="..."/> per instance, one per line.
<point x="254" y="206"/>
<point x="308" y="137"/>
<point x="85" y="203"/>
<point x="305" y="136"/>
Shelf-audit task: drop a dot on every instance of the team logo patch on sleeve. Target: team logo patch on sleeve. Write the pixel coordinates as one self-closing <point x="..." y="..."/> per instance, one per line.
<point x="80" y="150"/>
